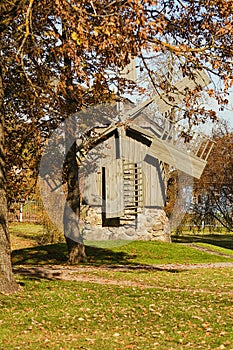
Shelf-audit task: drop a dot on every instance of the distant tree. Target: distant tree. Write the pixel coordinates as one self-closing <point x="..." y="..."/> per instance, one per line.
<point x="214" y="191"/>
<point x="60" y="56"/>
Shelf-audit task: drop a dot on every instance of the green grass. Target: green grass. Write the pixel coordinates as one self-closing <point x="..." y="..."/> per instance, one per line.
<point x="125" y="308"/>
<point x="129" y="253"/>
<point x="119" y="252"/>
<point x="26" y="230"/>
<point x="174" y="312"/>
<point x="102" y="252"/>
<point x="213" y="240"/>
<point x="215" y="248"/>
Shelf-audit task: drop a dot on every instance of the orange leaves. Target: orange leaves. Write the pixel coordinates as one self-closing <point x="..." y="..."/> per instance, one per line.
<point x="210" y="92"/>
<point x="99" y="35"/>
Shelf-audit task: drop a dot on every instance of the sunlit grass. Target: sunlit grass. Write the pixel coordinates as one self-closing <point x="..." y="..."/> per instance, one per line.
<point x="133" y="253"/>
<point x="127" y="305"/>
<point x="81" y="315"/>
<point x="216" y="248"/>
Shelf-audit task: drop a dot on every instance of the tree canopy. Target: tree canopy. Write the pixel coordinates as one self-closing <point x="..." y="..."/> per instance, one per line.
<point x="58" y="51"/>
<point x="214" y="191"/>
<point x="53" y="50"/>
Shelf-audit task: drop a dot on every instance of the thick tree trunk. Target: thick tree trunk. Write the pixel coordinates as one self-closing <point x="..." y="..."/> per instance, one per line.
<point x="73" y="237"/>
<point x="76" y="251"/>
<point x="7" y="281"/>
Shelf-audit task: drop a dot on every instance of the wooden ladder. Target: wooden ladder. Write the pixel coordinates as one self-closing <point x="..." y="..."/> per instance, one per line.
<point x="132" y="191"/>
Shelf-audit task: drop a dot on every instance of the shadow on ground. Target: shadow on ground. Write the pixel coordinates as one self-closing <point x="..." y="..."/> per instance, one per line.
<point x="224" y="241"/>
<point x="57" y="254"/>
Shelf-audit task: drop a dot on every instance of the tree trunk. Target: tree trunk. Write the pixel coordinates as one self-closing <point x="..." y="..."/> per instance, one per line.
<point x="73" y="237"/>
<point x="7" y="281"/>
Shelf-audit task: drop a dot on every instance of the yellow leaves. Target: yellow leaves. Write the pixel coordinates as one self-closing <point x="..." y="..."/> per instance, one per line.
<point x="76" y="8"/>
<point x="76" y="38"/>
<point x="50" y="33"/>
<point x="210" y="92"/>
<point x="96" y="31"/>
<point x="108" y="32"/>
<point x="105" y="30"/>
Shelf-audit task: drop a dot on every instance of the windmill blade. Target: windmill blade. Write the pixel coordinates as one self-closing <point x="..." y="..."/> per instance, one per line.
<point x="165" y="102"/>
<point x="188" y="158"/>
<point x="129" y="72"/>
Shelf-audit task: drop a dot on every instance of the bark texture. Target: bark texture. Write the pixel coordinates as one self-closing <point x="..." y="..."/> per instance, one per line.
<point x="7" y="281"/>
<point x="73" y="236"/>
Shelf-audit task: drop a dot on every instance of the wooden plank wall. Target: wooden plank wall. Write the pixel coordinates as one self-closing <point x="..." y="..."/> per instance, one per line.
<point x="91" y="170"/>
<point x="104" y="155"/>
<point x="153" y="181"/>
<point x="114" y="195"/>
<point x="132" y="150"/>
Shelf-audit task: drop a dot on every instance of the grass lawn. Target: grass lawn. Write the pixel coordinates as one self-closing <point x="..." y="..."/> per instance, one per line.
<point x="188" y="309"/>
<point x="191" y="309"/>
<point x="127" y="253"/>
<point x="213" y="240"/>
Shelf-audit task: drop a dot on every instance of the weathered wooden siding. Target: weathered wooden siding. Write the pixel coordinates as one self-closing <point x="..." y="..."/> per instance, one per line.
<point x="132" y="150"/>
<point x="153" y="181"/>
<point x="92" y="188"/>
<point x="114" y="200"/>
<point x="104" y="155"/>
<point x="91" y="170"/>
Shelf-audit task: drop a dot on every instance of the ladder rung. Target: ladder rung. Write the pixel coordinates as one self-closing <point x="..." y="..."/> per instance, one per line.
<point x="126" y="219"/>
<point x="133" y="195"/>
<point x="129" y="165"/>
<point x="132" y="198"/>
<point x="132" y="213"/>
<point x="134" y="182"/>
<point x="133" y="171"/>
<point x="132" y="175"/>
<point x="132" y="210"/>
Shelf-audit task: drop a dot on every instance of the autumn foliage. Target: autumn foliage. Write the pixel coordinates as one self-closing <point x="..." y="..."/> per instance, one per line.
<point x="214" y="191"/>
<point x="59" y="56"/>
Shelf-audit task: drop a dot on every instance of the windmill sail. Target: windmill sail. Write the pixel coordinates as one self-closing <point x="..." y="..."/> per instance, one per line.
<point x="165" y="102"/>
<point x="129" y="72"/>
<point x="168" y="146"/>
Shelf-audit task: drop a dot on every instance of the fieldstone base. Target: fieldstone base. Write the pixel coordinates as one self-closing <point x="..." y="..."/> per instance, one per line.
<point x="153" y="224"/>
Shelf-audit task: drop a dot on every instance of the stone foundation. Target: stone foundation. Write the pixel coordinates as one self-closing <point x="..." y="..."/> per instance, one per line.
<point x="152" y="224"/>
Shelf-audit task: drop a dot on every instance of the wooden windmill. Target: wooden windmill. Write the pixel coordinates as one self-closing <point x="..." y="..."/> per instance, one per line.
<point x="122" y="167"/>
<point x="127" y="186"/>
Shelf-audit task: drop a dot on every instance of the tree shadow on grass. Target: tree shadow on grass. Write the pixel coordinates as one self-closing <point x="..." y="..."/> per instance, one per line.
<point x="40" y="262"/>
<point x="223" y="241"/>
<point x="56" y="254"/>
<point x="40" y="255"/>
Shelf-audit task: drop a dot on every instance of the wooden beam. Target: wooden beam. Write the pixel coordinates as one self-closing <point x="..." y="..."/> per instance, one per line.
<point x="181" y="160"/>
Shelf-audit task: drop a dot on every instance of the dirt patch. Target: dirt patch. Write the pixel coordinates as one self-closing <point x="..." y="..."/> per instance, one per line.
<point x="87" y="274"/>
